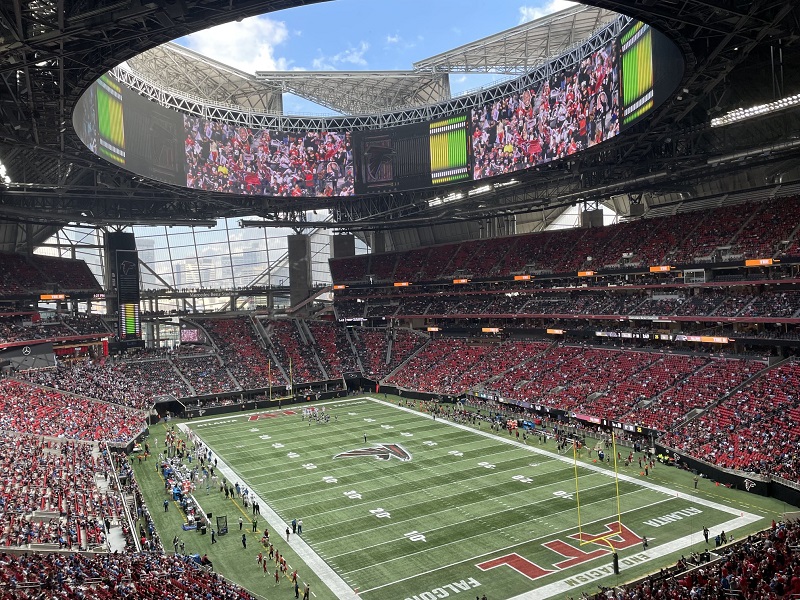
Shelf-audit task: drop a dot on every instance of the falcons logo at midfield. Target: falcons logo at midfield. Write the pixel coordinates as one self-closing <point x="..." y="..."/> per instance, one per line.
<point x="381" y="452"/>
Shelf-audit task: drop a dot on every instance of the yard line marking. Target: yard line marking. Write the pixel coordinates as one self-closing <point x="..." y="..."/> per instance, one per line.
<point x="333" y="470"/>
<point x="416" y="490"/>
<point x="459" y="540"/>
<point x="459" y="507"/>
<point x="653" y="486"/>
<point x="462" y="482"/>
<point x="388" y="474"/>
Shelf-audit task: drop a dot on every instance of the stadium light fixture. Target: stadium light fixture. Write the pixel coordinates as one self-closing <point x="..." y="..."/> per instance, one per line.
<point x="4" y="178"/>
<point x="480" y="190"/>
<point x="742" y="114"/>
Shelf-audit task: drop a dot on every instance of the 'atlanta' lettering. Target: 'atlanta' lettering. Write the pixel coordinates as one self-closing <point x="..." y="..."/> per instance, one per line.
<point x="447" y="589"/>
<point x="673" y="516"/>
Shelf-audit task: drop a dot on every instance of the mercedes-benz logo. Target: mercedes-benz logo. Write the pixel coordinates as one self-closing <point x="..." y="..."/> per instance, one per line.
<point x="26" y="350"/>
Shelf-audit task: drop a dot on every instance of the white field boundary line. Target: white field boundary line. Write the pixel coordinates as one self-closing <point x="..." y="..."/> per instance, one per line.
<point x="320" y="568"/>
<point x="437" y="512"/>
<point x="297" y="408"/>
<point x="495" y="551"/>
<point x="643" y="483"/>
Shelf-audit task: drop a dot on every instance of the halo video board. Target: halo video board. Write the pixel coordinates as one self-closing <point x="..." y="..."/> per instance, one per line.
<point x="568" y="111"/>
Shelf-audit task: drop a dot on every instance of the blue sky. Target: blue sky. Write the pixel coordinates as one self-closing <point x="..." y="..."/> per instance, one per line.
<point x="363" y="35"/>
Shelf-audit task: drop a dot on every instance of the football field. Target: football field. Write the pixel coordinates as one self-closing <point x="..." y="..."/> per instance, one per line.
<point x="428" y="508"/>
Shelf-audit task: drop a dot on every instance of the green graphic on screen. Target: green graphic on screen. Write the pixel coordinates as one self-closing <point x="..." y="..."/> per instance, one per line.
<point x="449" y="158"/>
<point x="130" y="326"/>
<point x="109" y="121"/>
<point x="637" y="72"/>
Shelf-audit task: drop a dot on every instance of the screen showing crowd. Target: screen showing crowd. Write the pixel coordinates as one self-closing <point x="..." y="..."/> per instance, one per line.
<point x="570" y="112"/>
<point x="587" y="103"/>
<point x="222" y="157"/>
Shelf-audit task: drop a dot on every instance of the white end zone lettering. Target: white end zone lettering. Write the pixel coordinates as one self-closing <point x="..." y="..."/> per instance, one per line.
<point x="604" y="571"/>
<point x="446" y="590"/>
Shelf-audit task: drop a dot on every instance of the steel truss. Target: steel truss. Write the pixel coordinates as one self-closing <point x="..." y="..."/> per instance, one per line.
<point x="517" y="50"/>
<point x="50" y="51"/>
<point x="174" y="67"/>
<point x="194" y="105"/>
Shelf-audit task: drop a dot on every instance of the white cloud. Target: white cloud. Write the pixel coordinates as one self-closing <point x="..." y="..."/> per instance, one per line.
<point x="345" y="58"/>
<point x="248" y="46"/>
<point x="529" y="13"/>
<point x="393" y="39"/>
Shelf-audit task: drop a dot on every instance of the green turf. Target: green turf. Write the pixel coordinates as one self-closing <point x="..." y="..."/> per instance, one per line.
<point x="473" y="496"/>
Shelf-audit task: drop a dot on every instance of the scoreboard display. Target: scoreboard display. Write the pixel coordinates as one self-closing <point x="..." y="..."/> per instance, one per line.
<point x="189" y="335"/>
<point x="123" y="262"/>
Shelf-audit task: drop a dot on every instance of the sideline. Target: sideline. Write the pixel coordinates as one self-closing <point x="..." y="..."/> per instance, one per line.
<point x="321" y="570"/>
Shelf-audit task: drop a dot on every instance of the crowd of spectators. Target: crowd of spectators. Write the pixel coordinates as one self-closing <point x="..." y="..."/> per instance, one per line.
<point x="774" y="304"/>
<point x="774" y="222"/>
<point x="223" y="157"/>
<point x="333" y="348"/>
<point x="751" y="430"/>
<point x="616" y="302"/>
<point x="292" y="351"/>
<point x="350" y="310"/>
<point x="573" y="110"/>
<point x="755" y="230"/>
<point x="50" y="494"/>
<point x="129" y="383"/>
<point x="67" y="274"/>
<point x="633" y="377"/>
<point x="439" y="366"/>
<point x="698" y="391"/>
<point x="143" y="576"/>
<point x="85" y="324"/>
<point x="30" y="327"/>
<point x="243" y="352"/>
<point x="206" y="374"/>
<point x="371" y="346"/>
<point x="16" y="273"/>
<point x="603" y="383"/>
<point x="404" y="343"/>
<point x="22" y="275"/>
<point x="28" y="408"/>
<point x="762" y="566"/>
